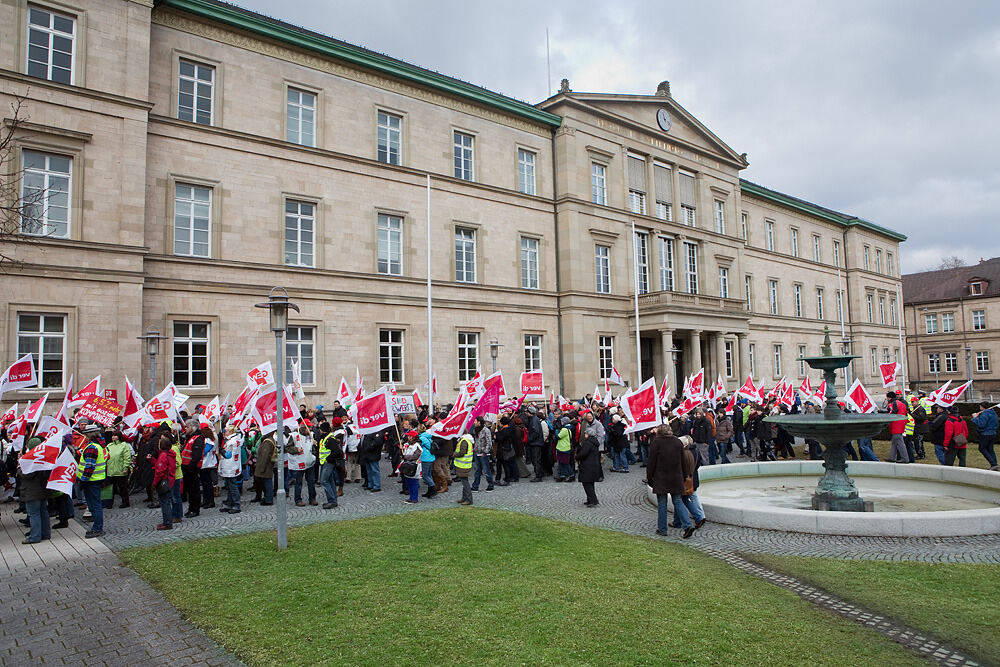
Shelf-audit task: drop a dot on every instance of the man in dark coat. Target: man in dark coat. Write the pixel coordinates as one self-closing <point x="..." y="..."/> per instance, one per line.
<point x="665" y="475"/>
<point x="588" y="457"/>
<point x="536" y="442"/>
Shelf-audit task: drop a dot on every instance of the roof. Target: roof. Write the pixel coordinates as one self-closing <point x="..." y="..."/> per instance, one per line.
<point x="949" y="284"/>
<point x="282" y="31"/>
<point x="815" y="209"/>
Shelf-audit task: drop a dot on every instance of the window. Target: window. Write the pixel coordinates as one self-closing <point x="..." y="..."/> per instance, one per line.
<point x="468" y="355"/>
<point x="840" y="305"/>
<point x="795" y="242"/>
<point x="947" y="322"/>
<point x="729" y="359"/>
<point x="888" y="264"/>
<point x="300" y="224"/>
<point x="664" y="197"/>
<point x="301" y="118"/>
<point x="463" y="157"/>
<point x="950" y="362"/>
<point x="666" y="264"/>
<point x="934" y="363"/>
<point x="777" y="360"/>
<point x="748" y="289"/>
<point x="983" y="362"/>
<point x="752" y="356"/>
<point x="802" y="364"/>
<point x="979" y="320"/>
<point x="390" y="134"/>
<point x="723" y="282"/>
<point x="836" y="253"/>
<point x="390" y="354"/>
<point x="688" y="198"/>
<point x="819" y="304"/>
<point x="598" y="184"/>
<point x="195" y="85"/>
<point x="816" y="256"/>
<point x="641" y="241"/>
<point x="44" y="337"/>
<point x="871" y="307"/>
<point x="606" y="356"/>
<point x="892" y="311"/>
<point x="886" y="358"/>
<point x="45" y="191"/>
<point x="191" y="354"/>
<point x="931" y="324"/>
<point x="797" y="295"/>
<point x="976" y="289"/>
<point x="878" y="260"/>
<point x="465" y="256"/>
<point x="602" y="268"/>
<point x="895" y="354"/>
<point x="744" y="220"/>
<point x="691" y="267"/>
<point x="772" y="296"/>
<point x="637" y="184"/>
<point x="390" y="245"/>
<point x="867" y="258"/>
<point x="192" y="216"/>
<point x="300" y="347"/>
<point x="874" y="360"/>
<point x="881" y="310"/>
<point x="51" y="39"/>
<point x="532" y="353"/>
<point x="769" y="235"/>
<point x="525" y="172"/>
<point x="529" y="263"/>
<point x="720" y="217"/>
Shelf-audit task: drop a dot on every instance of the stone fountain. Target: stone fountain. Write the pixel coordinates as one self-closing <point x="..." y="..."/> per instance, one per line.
<point x="833" y="429"/>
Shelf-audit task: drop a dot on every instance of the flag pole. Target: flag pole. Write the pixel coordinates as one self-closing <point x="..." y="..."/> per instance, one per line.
<point x="430" y="325"/>
<point x="635" y="283"/>
<point x="843" y="332"/>
<point x="899" y="327"/>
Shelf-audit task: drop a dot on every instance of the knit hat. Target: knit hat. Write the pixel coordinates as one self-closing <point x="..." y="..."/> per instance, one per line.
<point x="336" y="421"/>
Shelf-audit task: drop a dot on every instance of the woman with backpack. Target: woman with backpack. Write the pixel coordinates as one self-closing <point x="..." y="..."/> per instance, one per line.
<point x="956" y="438"/>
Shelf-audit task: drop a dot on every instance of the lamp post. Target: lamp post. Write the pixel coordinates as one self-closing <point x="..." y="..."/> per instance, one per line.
<point x="152" y="338"/>
<point x="278" y="305"/>
<point x="494" y="352"/>
<point x="968" y="370"/>
<point x="674" y="351"/>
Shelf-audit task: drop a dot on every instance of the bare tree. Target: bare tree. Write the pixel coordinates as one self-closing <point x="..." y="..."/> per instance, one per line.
<point x="21" y="208"/>
<point x="952" y="262"/>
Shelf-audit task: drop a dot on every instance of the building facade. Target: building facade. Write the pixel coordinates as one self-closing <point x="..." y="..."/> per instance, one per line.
<point x="951" y="318"/>
<point x="187" y="155"/>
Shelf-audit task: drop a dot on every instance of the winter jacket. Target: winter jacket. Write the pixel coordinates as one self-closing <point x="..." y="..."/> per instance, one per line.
<point x="484" y="442"/>
<point x="953" y="426"/>
<point x="986" y="422"/>
<point x="724" y="429"/>
<point x="937" y="429"/>
<point x="119" y="459"/>
<point x="426" y="439"/>
<point x="701" y="430"/>
<point x="588" y="459"/>
<point x="165" y="468"/>
<point x="665" y="465"/>
<point x="897" y="407"/>
<point x="616" y="436"/>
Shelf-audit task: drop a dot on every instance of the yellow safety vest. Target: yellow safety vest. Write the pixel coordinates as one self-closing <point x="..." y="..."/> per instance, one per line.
<point x="324" y="449"/>
<point x="909" y="425"/>
<point x="464" y="462"/>
<point x="100" y="468"/>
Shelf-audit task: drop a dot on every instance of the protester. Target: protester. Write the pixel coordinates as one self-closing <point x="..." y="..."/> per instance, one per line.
<point x="164" y="475"/>
<point x="119" y="468"/>
<point x="92" y="472"/>
<point x="482" y="451"/>
<point x="331" y="450"/>
<point x="589" y="467"/>
<point x="665" y="474"/>
<point x="956" y="438"/>
<point x="267" y="457"/>
<point x="986" y="423"/>
<point x="231" y="469"/>
<point x="463" y="466"/>
<point x="409" y="468"/>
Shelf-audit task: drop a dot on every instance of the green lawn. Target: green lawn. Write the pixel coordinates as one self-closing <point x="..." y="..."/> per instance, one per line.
<point x="956" y="603"/>
<point x="468" y="585"/>
<point x="973" y="458"/>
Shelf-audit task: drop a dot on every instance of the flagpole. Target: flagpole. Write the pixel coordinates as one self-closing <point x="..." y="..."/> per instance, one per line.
<point x="843" y="331"/>
<point x="899" y="327"/>
<point x="635" y="283"/>
<point x="430" y="321"/>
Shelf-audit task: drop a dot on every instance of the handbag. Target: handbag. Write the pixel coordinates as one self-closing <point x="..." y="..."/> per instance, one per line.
<point x="408" y="468"/>
<point x="689" y="486"/>
<point x="163" y="487"/>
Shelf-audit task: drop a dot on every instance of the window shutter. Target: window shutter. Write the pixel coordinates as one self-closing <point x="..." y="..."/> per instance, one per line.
<point x="661" y="180"/>
<point x="687" y="189"/>
<point x="636" y="174"/>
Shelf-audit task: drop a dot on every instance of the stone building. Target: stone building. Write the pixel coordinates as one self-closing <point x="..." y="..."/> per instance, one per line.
<point x="949" y="317"/>
<point x="193" y="154"/>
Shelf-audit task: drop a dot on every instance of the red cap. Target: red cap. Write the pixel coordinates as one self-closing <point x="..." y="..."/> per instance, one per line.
<point x="411" y="434"/>
<point x="336" y="421"/>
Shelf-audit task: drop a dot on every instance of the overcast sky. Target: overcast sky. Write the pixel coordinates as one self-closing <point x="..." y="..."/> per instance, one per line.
<point x="884" y="110"/>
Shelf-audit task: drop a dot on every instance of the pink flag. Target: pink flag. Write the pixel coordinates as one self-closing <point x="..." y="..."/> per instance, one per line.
<point x="532" y="385"/>
<point x="20" y="374"/>
<point x="641" y="407"/>
<point x="859" y="399"/>
<point x="489" y="402"/>
<point x="888" y="372"/>
<point x="260" y="376"/>
<point x="373" y="413"/>
<point x="34" y="411"/>
<point x="63" y="474"/>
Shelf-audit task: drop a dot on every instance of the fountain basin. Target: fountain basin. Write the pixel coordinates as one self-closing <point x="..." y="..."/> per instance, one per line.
<point x="923" y="500"/>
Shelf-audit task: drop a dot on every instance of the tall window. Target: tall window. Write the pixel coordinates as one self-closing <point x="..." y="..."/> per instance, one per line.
<point x="300" y="347"/>
<point x="950" y="362"/>
<point x="465" y="255"/>
<point x="888" y="264"/>
<point x="748" y="290"/>
<point x="44" y="337"/>
<point x="931" y="324"/>
<point x="390" y="245"/>
<point x="300" y="223"/>
<point x="752" y="358"/>
<point x="772" y="296"/>
<point x="878" y="260"/>
<point x="892" y="311"/>
<point x="723" y="282"/>
<point x="720" y="216"/>
<point x="881" y="310"/>
<point x="840" y="305"/>
<point x="641" y="241"/>
<point x="45" y="192"/>
<point x="934" y="362"/>
<point x="691" y="266"/>
<point x="390" y="355"/>
<point x="606" y="356"/>
<point x="666" y="264"/>
<point x="637" y="184"/>
<point x="870" y="298"/>
<point x="191" y="354"/>
<point x="979" y="320"/>
<point x="874" y="352"/>
<point x="886" y="358"/>
<point x="464" y="156"/>
<point x="744" y="221"/>
<point x="468" y="355"/>
<point x="529" y="263"/>
<point x="802" y="364"/>
<point x="390" y="134"/>
<point x="525" y="171"/>
<point x="192" y="220"/>
<point x="836" y="253"/>
<point x="769" y="235"/>
<point x="797" y="294"/>
<point x="602" y="268"/>
<point x="816" y="256"/>
<point x="867" y="258"/>
<point x="195" y="85"/>
<point x="729" y="359"/>
<point x="947" y="322"/>
<point x="301" y="121"/>
<point x="532" y="353"/>
<point x="983" y="362"/>
<point x="795" y="242"/>
<point x="688" y="198"/>
<point x="777" y="360"/>
<point x="598" y="183"/>
<point x="819" y="304"/>
<point x="664" y="197"/>
<point x="51" y="40"/>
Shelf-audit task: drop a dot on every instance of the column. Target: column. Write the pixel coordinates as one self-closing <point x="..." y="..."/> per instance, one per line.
<point x="694" y="356"/>
<point x="667" y="344"/>
<point x="744" y="365"/>
<point x="720" y="355"/>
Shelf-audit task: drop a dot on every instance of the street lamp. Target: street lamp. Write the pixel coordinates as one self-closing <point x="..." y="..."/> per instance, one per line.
<point x="494" y="352"/>
<point x="968" y="370"/>
<point x="152" y="338"/>
<point x="278" y="305"/>
<point x="674" y="351"/>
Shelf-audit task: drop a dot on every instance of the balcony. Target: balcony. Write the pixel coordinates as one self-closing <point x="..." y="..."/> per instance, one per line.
<point x="681" y="300"/>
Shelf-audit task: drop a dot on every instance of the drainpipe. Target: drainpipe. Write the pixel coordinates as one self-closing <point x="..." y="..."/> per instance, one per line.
<point x="555" y="229"/>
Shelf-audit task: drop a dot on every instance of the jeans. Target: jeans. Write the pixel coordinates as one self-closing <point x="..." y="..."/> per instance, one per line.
<point x="643" y="453"/>
<point x="952" y="453"/>
<point x="466" y="489"/>
<point x="619" y="460"/>
<point x="38" y="515"/>
<point x="413" y="486"/>
<point x="166" y="506"/>
<point x="565" y="470"/>
<point x="865" y="449"/>
<point x="939" y="453"/>
<point x="328" y="480"/>
<point x="681" y="515"/>
<point x="986" y="448"/>
<point x="694" y="508"/>
<point x="513" y="473"/>
<point x="268" y="484"/>
<point x="374" y="475"/>
<point x="425" y="473"/>
<point x="232" y="500"/>
<point x="629" y="456"/>
<point x="849" y="449"/>
<point x="92" y="493"/>
<point x="741" y="442"/>
<point x="661" y="511"/>
<point x="712" y="447"/>
<point x="294" y="477"/>
<point x="178" y="509"/>
<point x="482" y="464"/>
<point x="309" y="474"/>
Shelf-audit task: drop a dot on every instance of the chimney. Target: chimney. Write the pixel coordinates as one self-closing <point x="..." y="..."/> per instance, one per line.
<point x="663" y="90"/>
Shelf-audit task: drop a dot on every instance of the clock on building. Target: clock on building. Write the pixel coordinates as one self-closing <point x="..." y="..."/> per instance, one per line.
<point x="663" y="119"/>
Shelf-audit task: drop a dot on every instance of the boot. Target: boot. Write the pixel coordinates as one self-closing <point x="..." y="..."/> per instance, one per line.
<point x="340" y="491"/>
<point x="63" y="523"/>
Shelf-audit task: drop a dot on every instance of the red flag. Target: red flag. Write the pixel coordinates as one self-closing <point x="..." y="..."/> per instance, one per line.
<point x="10" y="415"/>
<point x="859" y="399"/>
<point x="373" y="413"/>
<point x="452" y="427"/>
<point x="260" y="376"/>
<point x="788" y="395"/>
<point x="133" y="405"/>
<point x="34" y="411"/>
<point x="494" y="379"/>
<point x="417" y="401"/>
<point x="748" y="390"/>
<point x="888" y="372"/>
<point x="641" y="407"/>
<point x="19" y="375"/>
<point x="63" y="475"/>
<point x="532" y="385"/>
<point x="92" y="389"/>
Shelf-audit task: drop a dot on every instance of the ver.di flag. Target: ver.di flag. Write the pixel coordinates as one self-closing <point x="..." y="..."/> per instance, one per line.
<point x="641" y="407"/>
<point x="261" y="376"/>
<point x="859" y="399"/>
<point x="43" y="456"/>
<point x="888" y="372"/>
<point x="616" y="377"/>
<point x="63" y="474"/>
<point x="10" y="415"/>
<point x="93" y="388"/>
<point x="34" y="411"/>
<point x="373" y="413"/>
<point x="532" y="385"/>
<point x="19" y="375"/>
<point x="265" y="409"/>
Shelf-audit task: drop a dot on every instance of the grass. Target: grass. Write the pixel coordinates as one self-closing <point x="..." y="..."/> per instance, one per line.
<point x="470" y="585"/>
<point x="973" y="458"/>
<point x="951" y="601"/>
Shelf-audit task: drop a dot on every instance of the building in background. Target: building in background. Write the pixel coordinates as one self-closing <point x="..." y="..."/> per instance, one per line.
<point x="194" y="154"/>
